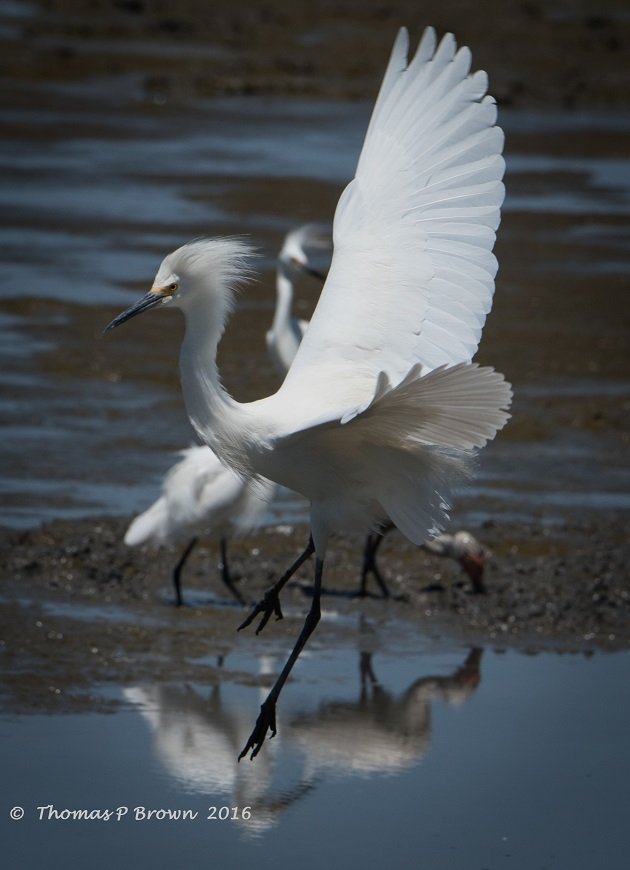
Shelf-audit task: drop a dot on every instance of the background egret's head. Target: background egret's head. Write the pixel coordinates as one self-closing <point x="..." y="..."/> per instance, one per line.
<point x="293" y="253"/>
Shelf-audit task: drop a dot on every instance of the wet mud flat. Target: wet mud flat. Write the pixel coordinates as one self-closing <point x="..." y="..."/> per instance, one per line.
<point x="568" y="54"/>
<point x="81" y="611"/>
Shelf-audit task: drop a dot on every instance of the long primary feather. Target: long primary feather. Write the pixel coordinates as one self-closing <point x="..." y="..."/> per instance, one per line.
<point x="412" y="276"/>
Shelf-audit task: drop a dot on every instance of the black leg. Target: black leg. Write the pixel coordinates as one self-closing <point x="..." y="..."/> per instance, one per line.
<point x="474" y="567"/>
<point x="267" y="718"/>
<point x="226" y="576"/>
<point x="366" y="671"/>
<point x="271" y="602"/>
<point x="177" y="570"/>
<point x="372" y="543"/>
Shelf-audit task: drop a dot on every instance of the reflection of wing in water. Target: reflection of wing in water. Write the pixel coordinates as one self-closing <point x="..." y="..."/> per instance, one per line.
<point x="197" y="737"/>
<point x="380" y="732"/>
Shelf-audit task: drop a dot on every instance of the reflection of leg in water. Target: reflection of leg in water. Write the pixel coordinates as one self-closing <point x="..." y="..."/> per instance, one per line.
<point x="366" y="670"/>
<point x="469" y="674"/>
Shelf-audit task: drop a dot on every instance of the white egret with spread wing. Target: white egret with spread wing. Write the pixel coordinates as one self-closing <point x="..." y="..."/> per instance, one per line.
<point x="381" y="409"/>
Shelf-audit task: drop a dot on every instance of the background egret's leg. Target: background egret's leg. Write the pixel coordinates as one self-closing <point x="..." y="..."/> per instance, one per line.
<point x="474" y="567"/>
<point x="225" y="573"/>
<point x="177" y="570"/>
<point x="372" y="543"/>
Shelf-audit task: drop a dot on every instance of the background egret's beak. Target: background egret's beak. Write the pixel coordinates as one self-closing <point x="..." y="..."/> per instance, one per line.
<point x="149" y="300"/>
<point x="314" y="273"/>
<point x="305" y="268"/>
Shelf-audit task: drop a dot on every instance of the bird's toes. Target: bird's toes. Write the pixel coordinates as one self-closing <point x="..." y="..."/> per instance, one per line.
<point x="268" y="606"/>
<point x="266" y="722"/>
<point x="249" y="619"/>
<point x="271" y="606"/>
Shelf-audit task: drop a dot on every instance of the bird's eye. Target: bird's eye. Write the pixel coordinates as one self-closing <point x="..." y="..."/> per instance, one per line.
<point x="172" y="288"/>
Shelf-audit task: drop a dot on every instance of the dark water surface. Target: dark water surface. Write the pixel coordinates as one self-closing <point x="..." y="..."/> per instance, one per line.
<point x="454" y="758"/>
<point x="457" y="759"/>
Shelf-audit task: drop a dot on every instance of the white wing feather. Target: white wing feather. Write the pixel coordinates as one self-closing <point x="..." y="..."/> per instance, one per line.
<point x="386" y="406"/>
<point x="412" y="275"/>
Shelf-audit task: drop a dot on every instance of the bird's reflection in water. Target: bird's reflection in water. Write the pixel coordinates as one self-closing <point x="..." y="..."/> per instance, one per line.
<point x="198" y="737"/>
<point x="380" y="732"/>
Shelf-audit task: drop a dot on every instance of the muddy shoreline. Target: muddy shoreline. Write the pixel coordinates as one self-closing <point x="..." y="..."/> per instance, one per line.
<point x="564" y="56"/>
<point x="83" y="611"/>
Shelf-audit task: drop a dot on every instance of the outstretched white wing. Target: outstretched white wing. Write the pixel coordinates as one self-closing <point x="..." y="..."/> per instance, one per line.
<point x="412" y="275"/>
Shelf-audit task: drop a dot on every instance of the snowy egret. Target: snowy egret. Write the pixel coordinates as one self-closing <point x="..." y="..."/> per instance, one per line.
<point x="381" y="409"/>
<point x="462" y="546"/>
<point x="201" y="495"/>
<point x="286" y="333"/>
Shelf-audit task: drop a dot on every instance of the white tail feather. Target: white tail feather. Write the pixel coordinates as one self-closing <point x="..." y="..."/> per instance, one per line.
<point x="417" y="497"/>
<point x="422" y="435"/>
<point x="152" y="525"/>
<point x="459" y="407"/>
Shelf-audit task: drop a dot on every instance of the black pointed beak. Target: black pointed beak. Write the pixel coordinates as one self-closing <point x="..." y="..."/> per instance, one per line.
<point x="303" y="267"/>
<point x="149" y="300"/>
<point x="314" y="273"/>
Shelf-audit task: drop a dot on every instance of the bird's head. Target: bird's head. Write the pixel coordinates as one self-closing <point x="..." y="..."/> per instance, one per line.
<point x="472" y="556"/>
<point x="203" y="268"/>
<point x="293" y="254"/>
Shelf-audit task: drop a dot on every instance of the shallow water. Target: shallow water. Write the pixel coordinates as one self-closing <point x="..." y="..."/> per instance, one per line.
<point x="453" y="759"/>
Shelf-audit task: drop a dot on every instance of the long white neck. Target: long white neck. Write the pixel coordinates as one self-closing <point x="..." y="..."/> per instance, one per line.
<point x="284" y="299"/>
<point x="214" y="414"/>
<point x="283" y="339"/>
